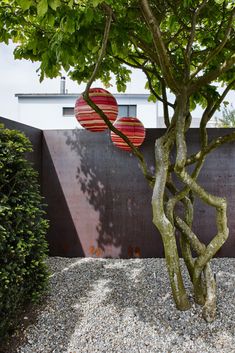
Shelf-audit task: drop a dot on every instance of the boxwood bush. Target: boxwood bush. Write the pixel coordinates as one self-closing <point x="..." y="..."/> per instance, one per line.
<point x="23" y="248"/>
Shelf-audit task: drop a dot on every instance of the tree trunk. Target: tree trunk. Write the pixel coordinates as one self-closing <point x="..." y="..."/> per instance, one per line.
<point x="166" y="219"/>
<point x="165" y="227"/>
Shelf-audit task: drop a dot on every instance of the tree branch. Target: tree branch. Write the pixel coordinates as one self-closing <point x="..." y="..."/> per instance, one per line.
<point x="221" y="98"/>
<point x="86" y="97"/>
<point x="162" y="99"/>
<point x="145" y="47"/>
<point x="212" y="75"/>
<point x="193" y="29"/>
<point x="165" y="104"/>
<point x="218" y="48"/>
<point x="102" y="51"/>
<point x="162" y="53"/>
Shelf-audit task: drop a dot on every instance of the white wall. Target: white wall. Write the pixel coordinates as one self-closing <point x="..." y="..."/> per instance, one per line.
<point x="47" y="112"/>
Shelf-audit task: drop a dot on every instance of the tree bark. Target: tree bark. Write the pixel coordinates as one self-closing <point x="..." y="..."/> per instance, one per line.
<point x="165" y="227"/>
<point x="166" y="219"/>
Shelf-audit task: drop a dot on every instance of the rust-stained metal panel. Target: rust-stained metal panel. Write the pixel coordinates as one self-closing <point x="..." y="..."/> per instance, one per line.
<point x="108" y="199"/>
<point x="110" y="202"/>
<point x="62" y="236"/>
<point x="99" y="203"/>
<point x="217" y="177"/>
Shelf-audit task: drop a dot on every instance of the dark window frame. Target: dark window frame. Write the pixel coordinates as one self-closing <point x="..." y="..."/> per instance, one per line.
<point x="69" y="111"/>
<point x="129" y="107"/>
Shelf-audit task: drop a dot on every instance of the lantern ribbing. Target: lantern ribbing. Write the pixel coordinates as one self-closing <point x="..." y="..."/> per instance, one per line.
<point x="88" y="118"/>
<point x="132" y="128"/>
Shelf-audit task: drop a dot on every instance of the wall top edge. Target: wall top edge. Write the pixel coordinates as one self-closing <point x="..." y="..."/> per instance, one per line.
<point x="225" y="129"/>
<point x="75" y="95"/>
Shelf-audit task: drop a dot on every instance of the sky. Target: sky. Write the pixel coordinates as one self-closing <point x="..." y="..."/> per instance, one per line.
<point x="20" y="76"/>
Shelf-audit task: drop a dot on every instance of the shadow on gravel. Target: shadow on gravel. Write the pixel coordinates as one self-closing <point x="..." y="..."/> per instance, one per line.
<point x="71" y="284"/>
<point x="145" y="290"/>
<point x="141" y="287"/>
<point x="16" y="338"/>
<point x="133" y="288"/>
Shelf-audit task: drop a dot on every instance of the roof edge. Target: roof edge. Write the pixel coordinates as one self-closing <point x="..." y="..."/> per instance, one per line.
<point x="59" y="95"/>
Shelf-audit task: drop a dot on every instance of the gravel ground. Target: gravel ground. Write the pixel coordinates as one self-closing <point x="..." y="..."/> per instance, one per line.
<point x="125" y="306"/>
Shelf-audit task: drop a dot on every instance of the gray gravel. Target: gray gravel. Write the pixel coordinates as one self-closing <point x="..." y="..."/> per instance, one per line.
<point x="125" y="306"/>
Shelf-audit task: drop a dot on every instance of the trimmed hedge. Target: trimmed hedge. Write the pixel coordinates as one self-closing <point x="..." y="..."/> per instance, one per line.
<point x="23" y="248"/>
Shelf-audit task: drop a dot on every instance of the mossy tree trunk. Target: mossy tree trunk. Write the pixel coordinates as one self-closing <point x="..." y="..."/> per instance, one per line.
<point x="167" y="221"/>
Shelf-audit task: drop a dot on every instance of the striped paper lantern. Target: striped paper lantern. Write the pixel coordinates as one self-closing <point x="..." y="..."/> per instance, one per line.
<point x="132" y="128"/>
<point x="88" y="118"/>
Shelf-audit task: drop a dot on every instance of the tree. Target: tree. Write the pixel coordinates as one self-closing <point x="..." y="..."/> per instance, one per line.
<point x="228" y="118"/>
<point x="183" y="47"/>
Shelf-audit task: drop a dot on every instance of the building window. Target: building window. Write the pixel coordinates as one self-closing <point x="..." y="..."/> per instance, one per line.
<point x="127" y="110"/>
<point x="67" y="111"/>
<point x="123" y="110"/>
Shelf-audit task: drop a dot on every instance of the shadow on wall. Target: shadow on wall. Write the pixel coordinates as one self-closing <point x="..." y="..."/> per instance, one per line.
<point x="113" y="184"/>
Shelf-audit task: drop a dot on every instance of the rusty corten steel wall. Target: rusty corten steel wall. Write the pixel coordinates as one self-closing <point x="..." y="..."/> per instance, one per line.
<point x="100" y="204"/>
<point x="62" y="234"/>
<point x="105" y="194"/>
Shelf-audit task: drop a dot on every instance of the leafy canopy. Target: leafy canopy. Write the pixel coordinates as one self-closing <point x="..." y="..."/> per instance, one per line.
<point x="196" y="47"/>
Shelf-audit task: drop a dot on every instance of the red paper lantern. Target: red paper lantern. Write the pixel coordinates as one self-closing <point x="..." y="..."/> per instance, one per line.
<point x="132" y="128"/>
<point x="88" y="118"/>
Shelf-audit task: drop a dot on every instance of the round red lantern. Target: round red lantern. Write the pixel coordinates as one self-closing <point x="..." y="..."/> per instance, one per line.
<point x="88" y="118"/>
<point x="132" y="128"/>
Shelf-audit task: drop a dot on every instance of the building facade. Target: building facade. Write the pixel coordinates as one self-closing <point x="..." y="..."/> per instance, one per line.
<point x="56" y="111"/>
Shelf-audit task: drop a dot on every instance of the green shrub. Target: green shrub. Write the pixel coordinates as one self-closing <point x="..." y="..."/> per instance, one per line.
<point x="23" y="248"/>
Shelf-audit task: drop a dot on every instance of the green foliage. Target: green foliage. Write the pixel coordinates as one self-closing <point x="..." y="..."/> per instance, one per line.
<point x="42" y="8"/>
<point x="23" y="248"/>
<point x="228" y="119"/>
<point x="67" y="35"/>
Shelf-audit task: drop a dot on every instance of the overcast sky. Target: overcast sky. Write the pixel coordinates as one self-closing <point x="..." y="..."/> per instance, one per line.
<point x="20" y="76"/>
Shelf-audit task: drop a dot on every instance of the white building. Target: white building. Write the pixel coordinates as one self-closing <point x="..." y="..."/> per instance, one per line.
<point x="56" y="111"/>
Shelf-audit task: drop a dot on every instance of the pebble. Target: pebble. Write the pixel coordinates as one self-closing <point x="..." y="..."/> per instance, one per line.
<point x="126" y="306"/>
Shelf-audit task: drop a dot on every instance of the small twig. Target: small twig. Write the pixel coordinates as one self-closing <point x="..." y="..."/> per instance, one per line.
<point x="102" y="52"/>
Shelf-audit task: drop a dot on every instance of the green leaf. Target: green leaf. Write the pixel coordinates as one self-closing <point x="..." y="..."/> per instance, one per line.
<point x="42" y="8"/>
<point x="173" y="24"/>
<point x="114" y="48"/>
<point x="89" y="15"/>
<point x="96" y="2"/>
<point x="50" y="19"/>
<point x="70" y="4"/>
<point x="25" y="4"/>
<point x="54" y="4"/>
<point x="69" y="25"/>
